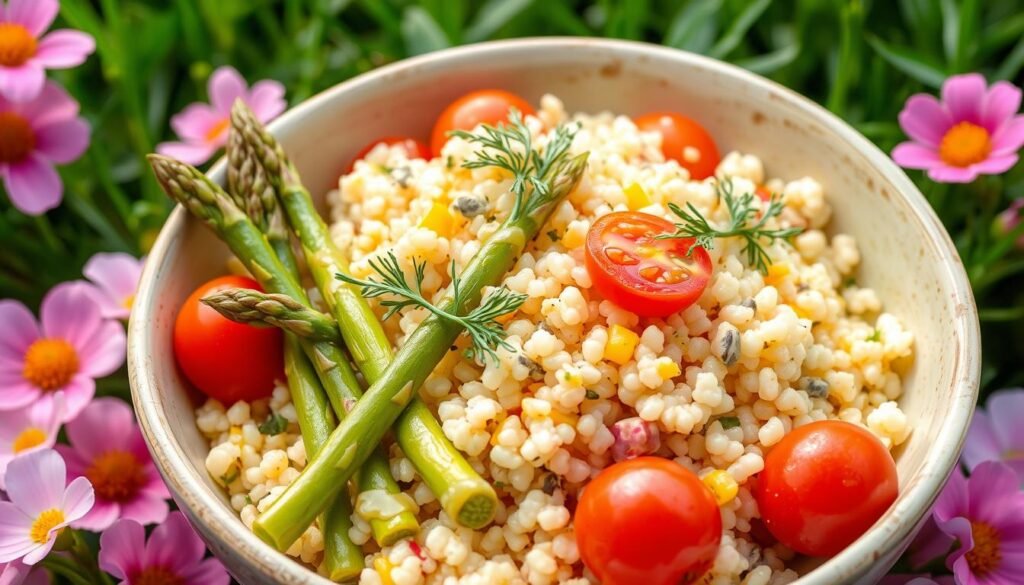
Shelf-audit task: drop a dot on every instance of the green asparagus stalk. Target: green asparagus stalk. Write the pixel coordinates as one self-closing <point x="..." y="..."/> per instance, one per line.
<point x="207" y="201"/>
<point x="463" y="494"/>
<point x="245" y="305"/>
<point x="382" y="404"/>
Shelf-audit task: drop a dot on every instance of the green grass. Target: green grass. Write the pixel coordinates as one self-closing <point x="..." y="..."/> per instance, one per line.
<point x="861" y="59"/>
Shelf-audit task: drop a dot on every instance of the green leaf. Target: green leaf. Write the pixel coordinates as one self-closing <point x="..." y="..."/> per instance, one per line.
<point x="1001" y="33"/>
<point x="1012" y="64"/>
<point x="950" y="28"/>
<point x="421" y="32"/>
<point x="769" y="63"/>
<point x="493" y="15"/>
<point x="694" y="27"/>
<point x="729" y="422"/>
<point x="734" y="36"/>
<point x="274" y="425"/>
<point x="910" y="62"/>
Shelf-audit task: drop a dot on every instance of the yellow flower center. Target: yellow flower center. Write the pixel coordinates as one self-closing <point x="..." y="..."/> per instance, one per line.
<point x="128" y="302"/>
<point x="28" y="438"/>
<point x="50" y="364"/>
<point x="17" y="45"/>
<point x="116" y="476"/>
<point x="17" y="140"/>
<point x="157" y="576"/>
<point x="214" y="133"/>
<point x="47" y="521"/>
<point x="985" y="556"/>
<point x="964" y="145"/>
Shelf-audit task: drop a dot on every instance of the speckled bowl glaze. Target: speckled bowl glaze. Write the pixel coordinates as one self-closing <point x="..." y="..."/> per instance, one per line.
<point x="907" y="256"/>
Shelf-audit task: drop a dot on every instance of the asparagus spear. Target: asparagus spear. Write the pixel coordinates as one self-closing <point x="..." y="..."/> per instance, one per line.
<point x="209" y="202"/>
<point x="463" y="494"/>
<point x="244" y="305"/>
<point x="542" y="183"/>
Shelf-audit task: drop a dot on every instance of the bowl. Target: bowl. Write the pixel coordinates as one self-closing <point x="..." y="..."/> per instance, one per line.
<point x="907" y="256"/>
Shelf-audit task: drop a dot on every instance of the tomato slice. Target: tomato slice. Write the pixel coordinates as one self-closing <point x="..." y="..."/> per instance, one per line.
<point x="485" y="106"/>
<point x="413" y="148"/>
<point x="632" y="268"/>
<point x="685" y="141"/>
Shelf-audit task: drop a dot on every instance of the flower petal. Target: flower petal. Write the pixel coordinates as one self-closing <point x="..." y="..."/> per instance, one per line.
<point x="106" y="424"/>
<point x="952" y="500"/>
<point x="69" y="313"/>
<point x="111" y="308"/>
<point x="19" y="330"/>
<point x="925" y="120"/>
<point x="35" y="482"/>
<point x="226" y="85"/>
<point x="266" y="100"/>
<point x="948" y="174"/>
<point x="145" y="509"/>
<point x="40" y="551"/>
<point x="77" y="395"/>
<point x="35" y="15"/>
<point x="14" y="533"/>
<point x="64" y="141"/>
<point x="191" y="153"/>
<point x="23" y="83"/>
<point x="911" y="155"/>
<point x="16" y="392"/>
<point x="995" y="165"/>
<point x="34" y="186"/>
<point x="79" y="498"/>
<point x="102" y="515"/>
<point x="982" y="444"/>
<point x="1009" y="138"/>
<point x="18" y="573"/>
<point x="990" y="485"/>
<point x="104" y="352"/>
<point x="1001" y="102"/>
<point x="52" y="105"/>
<point x="122" y="549"/>
<point x="116" y="276"/>
<point x="195" y="122"/>
<point x="64" y="48"/>
<point x="174" y="544"/>
<point x="964" y="96"/>
<point x="209" y="572"/>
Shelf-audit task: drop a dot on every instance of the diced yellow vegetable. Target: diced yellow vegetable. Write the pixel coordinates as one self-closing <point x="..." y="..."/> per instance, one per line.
<point x="722" y="485"/>
<point x="439" y="220"/>
<point x="560" y="418"/>
<point x="383" y="567"/>
<point x="668" y="369"/>
<point x="777" y="272"/>
<point x="497" y="431"/>
<point x="621" y="343"/>
<point x="636" y="197"/>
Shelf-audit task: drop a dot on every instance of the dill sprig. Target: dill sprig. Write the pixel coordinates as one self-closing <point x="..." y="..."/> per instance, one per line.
<point x="480" y="324"/>
<point x="510" y="147"/>
<point x="742" y="210"/>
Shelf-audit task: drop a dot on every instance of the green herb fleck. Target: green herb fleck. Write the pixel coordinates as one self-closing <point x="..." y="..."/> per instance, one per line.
<point x="876" y="335"/>
<point x="729" y="422"/>
<point x="449" y="162"/>
<point x="850" y="281"/>
<point x="230" y="476"/>
<point x="591" y="395"/>
<point x="274" y="425"/>
<point x="553" y="234"/>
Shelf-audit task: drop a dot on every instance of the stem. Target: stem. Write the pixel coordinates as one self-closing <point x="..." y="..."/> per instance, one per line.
<point x="45" y="228"/>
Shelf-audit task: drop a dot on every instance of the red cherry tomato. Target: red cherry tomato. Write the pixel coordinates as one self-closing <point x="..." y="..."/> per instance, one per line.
<point x="226" y="360"/>
<point x="485" y="106"/>
<point x="647" y="520"/>
<point x="678" y="134"/>
<point x="825" y="484"/>
<point x="651" y="277"/>
<point x="413" y="148"/>
<point x="763" y="193"/>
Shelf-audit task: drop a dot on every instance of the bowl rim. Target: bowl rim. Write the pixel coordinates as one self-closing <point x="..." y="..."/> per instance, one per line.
<point x="891" y="532"/>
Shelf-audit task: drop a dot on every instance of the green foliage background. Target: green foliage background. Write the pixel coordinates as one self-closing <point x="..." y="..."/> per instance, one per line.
<point x="859" y="58"/>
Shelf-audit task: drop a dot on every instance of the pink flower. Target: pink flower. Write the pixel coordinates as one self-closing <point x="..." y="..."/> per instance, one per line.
<point x="72" y="348"/>
<point x="29" y="429"/>
<point x="34" y="136"/>
<point x="204" y="128"/>
<point x="114" y="278"/>
<point x="174" y="554"/>
<point x="18" y="573"/>
<point x="974" y="130"/>
<point x="916" y="580"/>
<point x="42" y="505"/>
<point x="25" y="56"/>
<point x="108" y="449"/>
<point x="996" y="432"/>
<point x="1009" y="219"/>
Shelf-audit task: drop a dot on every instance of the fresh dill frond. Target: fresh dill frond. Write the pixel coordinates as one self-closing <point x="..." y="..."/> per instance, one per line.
<point x="481" y="324"/>
<point x="742" y="224"/>
<point x="510" y="147"/>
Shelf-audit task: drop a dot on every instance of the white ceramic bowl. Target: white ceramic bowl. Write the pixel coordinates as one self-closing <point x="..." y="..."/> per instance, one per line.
<point x="907" y="256"/>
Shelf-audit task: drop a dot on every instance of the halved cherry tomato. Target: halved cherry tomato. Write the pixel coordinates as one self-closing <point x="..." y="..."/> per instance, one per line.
<point x="413" y="148"/>
<point x="647" y="520"/>
<point x="226" y="360"/>
<point x="763" y="193"/>
<point x="485" y="106"/>
<point x="684" y="141"/>
<point x="642" y="274"/>
<point x="823" y="485"/>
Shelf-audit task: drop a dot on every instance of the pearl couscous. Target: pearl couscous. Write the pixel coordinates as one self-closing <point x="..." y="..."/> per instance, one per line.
<point x="712" y="387"/>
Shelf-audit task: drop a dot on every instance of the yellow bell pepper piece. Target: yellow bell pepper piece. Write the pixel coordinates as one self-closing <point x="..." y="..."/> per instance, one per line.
<point x="636" y="197"/>
<point x="439" y="220"/>
<point x="722" y="485"/>
<point x="383" y="567"/>
<point x="621" y="343"/>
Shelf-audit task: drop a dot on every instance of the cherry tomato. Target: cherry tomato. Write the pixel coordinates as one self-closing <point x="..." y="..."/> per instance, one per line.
<point x="651" y="277"/>
<point x="823" y="485"/>
<point x="679" y="134"/>
<point x="485" y="106"/>
<point x="226" y="360"/>
<point x="647" y="520"/>
<point x="413" y="148"/>
<point x="763" y="193"/>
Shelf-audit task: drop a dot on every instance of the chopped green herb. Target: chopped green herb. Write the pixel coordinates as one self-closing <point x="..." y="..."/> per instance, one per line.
<point x="553" y="234"/>
<point x="876" y="335"/>
<point x="449" y="162"/>
<point x="230" y="476"/>
<point x="591" y="395"/>
<point x="274" y="425"/>
<point x="500" y="485"/>
<point x="729" y="422"/>
<point x="850" y="281"/>
<point x="248" y="500"/>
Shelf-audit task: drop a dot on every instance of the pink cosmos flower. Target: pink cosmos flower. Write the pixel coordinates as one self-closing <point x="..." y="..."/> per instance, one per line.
<point x="42" y="505"/>
<point x="108" y="449"/>
<point x="1009" y="219"/>
<point x="25" y="56"/>
<point x="114" y="278"/>
<point x="73" y="346"/>
<point x="203" y="128"/>
<point x="974" y="130"/>
<point x="984" y="517"/>
<point x="29" y="429"/>
<point x="18" y="573"/>
<point x="996" y="432"/>
<point x="916" y="580"/>
<point x="34" y="136"/>
<point x="174" y="554"/>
